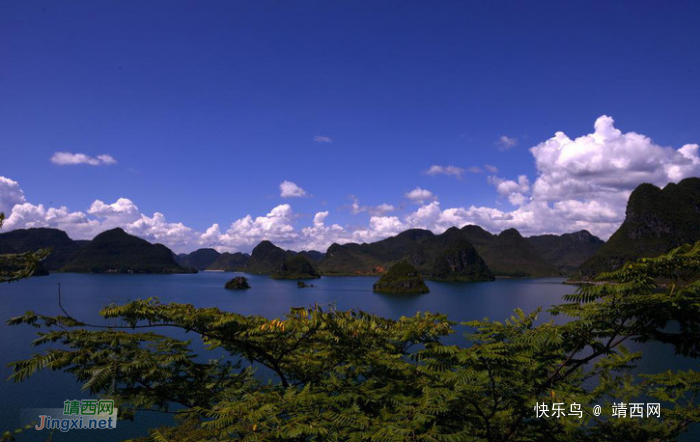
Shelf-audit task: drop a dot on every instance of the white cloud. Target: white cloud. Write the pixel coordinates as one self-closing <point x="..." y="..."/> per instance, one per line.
<point x="322" y="139"/>
<point x="607" y="161"/>
<point x="585" y="182"/>
<point x="290" y="190"/>
<point x="122" y="211"/>
<point x="514" y="191"/>
<point x="490" y="168"/>
<point x="158" y="229"/>
<point x="505" y="143"/>
<point x="454" y="171"/>
<point x="381" y="209"/>
<point x="76" y="224"/>
<point x="320" y="236"/>
<point x="67" y="158"/>
<point x="10" y="194"/>
<point x="379" y="227"/>
<point x="419" y="196"/>
<point x="581" y="183"/>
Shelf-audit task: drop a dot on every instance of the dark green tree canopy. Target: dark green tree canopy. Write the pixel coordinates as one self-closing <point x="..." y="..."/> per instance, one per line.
<point x="354" y="376"/>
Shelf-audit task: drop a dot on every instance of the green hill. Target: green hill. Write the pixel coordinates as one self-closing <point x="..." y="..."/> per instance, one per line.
<point x="199" y="259"/>
<point x="115" y="251"/>
<point x="451" y="257"/>
<point x="401" y="278"/>
<point x="267" y="258"/>
<point x="349" y="259"/>
<point x="29" y="240"/>
<point x="568" y="251"/>
<point x="509" y="254"/>
<point x="296" y="267"/>
<point x="656" y="221"/>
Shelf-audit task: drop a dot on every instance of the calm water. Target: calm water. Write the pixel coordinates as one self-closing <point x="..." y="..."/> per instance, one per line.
<point x="84" y="295"/>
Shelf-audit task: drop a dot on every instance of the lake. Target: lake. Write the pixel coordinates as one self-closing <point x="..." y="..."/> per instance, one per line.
<point x="85" y="294"/>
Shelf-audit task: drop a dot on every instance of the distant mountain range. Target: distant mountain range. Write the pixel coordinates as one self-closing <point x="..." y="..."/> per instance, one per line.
<point x="657" y="220"/>
<point x="567" y="251"/>
<point x="509" y="254"/>
<point x="228" y="262"/>
<point x="446" y="257"/>
<point x="468" y="254"/>
<point x="199" y="259"/>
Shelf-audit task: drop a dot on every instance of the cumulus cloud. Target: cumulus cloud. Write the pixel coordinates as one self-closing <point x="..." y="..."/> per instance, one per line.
<point x="585" y="182"/>
<point x="289" y="189"/>
<point x="581" y="183"/>
<point x="514" y="191"/>
<point x="10" y="194"/>
<point x="322" y="139"/>
<point x="505" y="143"/>
<point x="76" y="224"/>
<point x="419" y="196"/>
<point x="607" y="161"/>
<point x="277" y="225"/>
<point x="100" y="217"/>
<point x="319" y="236"/>
<point x="157" y="229"/>
<point x="68" y="158"/>
<point x="123" y="210"/>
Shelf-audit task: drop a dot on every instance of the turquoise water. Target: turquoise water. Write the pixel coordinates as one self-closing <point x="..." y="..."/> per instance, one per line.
<point x="84" y="295"/>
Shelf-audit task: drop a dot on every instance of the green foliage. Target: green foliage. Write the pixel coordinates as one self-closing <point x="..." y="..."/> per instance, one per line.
<point x="354" y="376"/>
<point x="16" y="266"/>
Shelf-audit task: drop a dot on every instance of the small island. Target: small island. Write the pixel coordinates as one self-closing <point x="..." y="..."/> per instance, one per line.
<point x="238" y="283"/>
<point x="296" y="267"/>
<point x="401" y="278"/>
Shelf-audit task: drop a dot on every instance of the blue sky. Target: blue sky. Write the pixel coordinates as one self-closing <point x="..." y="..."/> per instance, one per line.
<point x="207" y="107"/>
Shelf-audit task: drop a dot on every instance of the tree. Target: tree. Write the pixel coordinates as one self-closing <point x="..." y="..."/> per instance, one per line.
<point x="354" y="376"/>
<point x="16" y="266"/>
